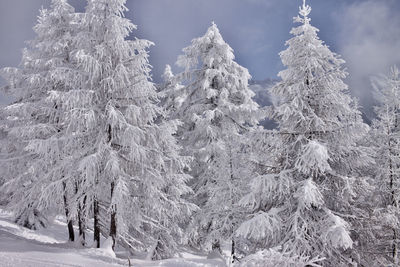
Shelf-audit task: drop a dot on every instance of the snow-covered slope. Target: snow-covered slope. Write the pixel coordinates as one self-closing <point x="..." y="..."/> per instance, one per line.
<point x="23" y="247"/>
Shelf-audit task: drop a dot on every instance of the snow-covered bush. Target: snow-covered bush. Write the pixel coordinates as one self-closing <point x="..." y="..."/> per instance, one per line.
<point x="275" y="257"/>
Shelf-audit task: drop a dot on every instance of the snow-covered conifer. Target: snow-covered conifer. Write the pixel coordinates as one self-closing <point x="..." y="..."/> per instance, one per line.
<point x="217" y="110"/>
<point x="385" y="138"/>
<point x="172" y="93"/>
<point x="130" y="172"/>
<point x="31" y="120"/>
<point x="97" y="132"/>
<point x="318" y="158"/>
<point x="261" y="226"/>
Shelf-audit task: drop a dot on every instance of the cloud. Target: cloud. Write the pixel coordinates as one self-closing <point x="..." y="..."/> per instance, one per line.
<point x="370" y="43"/>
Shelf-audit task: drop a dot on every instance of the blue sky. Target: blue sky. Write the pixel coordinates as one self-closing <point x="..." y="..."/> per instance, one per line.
<point x="365" y="32"/>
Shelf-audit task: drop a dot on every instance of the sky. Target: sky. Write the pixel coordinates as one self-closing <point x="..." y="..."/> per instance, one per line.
<point x="366" y="33"/>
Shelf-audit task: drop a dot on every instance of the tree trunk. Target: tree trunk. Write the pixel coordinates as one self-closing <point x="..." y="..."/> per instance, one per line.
<point x="71" y="234"/>
<point x="233" y="251"/>
<point x="96" y="225"/>
<point x="216" y="246"/>
<point x="232" y="180"/>
<point x="393" y="195"/>
<point x="394" y="248"/>
<point x="113" y="223"/>
<point x="82" y="222"/>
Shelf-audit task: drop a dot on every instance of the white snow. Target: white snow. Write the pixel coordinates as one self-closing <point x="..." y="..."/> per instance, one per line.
<point x="23" y="247"/>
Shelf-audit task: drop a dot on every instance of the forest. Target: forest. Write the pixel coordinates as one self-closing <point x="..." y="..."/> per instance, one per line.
<point x="157" y="168"/>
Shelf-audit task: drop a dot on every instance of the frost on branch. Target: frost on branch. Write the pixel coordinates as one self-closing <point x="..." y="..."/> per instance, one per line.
<point x="262" y="226"/>
<point x="309" y="196"/>
<point x="314" y="159"/>
<point x="337" y="233"/>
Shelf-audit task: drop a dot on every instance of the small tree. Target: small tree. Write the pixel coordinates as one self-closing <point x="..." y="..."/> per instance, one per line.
<point x="275" y="257"/>
<point x="172" y="93"/>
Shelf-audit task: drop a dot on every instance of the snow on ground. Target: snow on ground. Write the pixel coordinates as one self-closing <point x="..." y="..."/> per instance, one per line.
<point x="47" y="248"/>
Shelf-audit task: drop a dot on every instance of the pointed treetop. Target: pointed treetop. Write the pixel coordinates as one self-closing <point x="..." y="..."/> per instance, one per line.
<point x="305" y="10"/>
<point x="394" y="71"/>
<point x="168" y="74"/>
<point x="213" y="27"/>
<point x="214" y="34"/>
<point x="60" y="5"/>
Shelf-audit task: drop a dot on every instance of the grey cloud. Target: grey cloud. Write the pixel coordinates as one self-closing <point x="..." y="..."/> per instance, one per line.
<point x="370" y="43"/>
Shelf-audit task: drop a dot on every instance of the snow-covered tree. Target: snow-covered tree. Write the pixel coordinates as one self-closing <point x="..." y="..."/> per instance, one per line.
<point x="217" y="110"/>
<point x="172" y="93"/>
<point x="31" y="123"/>
<point x="385" y="138"/>
<point x="95" y="135"/>
<point x="318" y="156"/>
<point x="261" y="226"/>
<point x="130" y="172"/>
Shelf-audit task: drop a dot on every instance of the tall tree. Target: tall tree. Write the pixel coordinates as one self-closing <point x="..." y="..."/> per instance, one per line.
<point x="101" y="135"/>
<point x="126" y="158"/>
<point x="386" y="143"/>
<point x="319" y="158"/>
<point x="217" y="110"/>
<point x="32" y="123"/>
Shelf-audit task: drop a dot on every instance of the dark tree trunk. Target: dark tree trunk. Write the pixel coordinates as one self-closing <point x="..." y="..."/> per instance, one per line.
<point x="233" y="251"/>
<point x="232" y="226"/>
<point x="81" y="222"/>
<point x="216" y="246"/>
<point x="71" y="234"/>
<point x="96" y="225"/>
<point x="113" y="223"/>
<point x="394" y="246"/>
